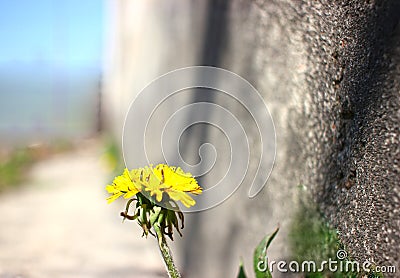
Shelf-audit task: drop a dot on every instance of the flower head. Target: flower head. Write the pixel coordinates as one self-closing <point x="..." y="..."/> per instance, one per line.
<point x="167" y="184"/>
<point x="163" y="181"/>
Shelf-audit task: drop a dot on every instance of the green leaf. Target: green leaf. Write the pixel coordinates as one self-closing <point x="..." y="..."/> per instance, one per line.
<point x="260" y="260"/>
<point x="241" y="273"/>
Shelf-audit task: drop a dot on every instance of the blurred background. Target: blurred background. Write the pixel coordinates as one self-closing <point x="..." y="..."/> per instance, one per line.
<point x="51" y="66"/>
<point x="68" y="73"/>
<point x="54" y="158"/>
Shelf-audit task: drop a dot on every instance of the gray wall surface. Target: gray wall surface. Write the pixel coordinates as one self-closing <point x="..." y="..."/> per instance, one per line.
<point x="353" y="83"/>
<point x="329" y="73"/>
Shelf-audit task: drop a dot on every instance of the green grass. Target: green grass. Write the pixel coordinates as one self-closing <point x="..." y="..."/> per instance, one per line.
<point x="13" y="168"/>
<point x="14" y="165"/>
<point x="112" y="157"/>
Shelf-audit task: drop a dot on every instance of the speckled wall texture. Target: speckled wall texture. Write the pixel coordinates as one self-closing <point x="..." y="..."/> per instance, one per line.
<point x="353" y="79"/>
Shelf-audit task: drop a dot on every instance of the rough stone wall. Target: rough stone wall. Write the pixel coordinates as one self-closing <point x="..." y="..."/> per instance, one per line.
<point x="329" y="73"/>
<point x="353" y="112"/>
<point x="348" y="125"/>
<point x="261" y="46"/>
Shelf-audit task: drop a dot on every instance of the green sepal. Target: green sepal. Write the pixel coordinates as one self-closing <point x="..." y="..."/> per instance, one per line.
<point x="154" y="215"/>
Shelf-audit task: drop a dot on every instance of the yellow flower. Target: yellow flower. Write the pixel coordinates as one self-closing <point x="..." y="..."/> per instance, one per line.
<point x="176" y="183"/>
<point x="123" y="185"/>
<point x="161" y="179"/>
<point x="152" y="183"/>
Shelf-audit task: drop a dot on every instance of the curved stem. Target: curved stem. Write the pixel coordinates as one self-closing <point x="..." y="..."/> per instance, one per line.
<point x="166" y="253"/>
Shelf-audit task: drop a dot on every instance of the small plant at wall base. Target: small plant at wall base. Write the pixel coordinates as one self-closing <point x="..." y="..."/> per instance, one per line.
<point x="260" y="258"/>
<point x="168" y="185"/>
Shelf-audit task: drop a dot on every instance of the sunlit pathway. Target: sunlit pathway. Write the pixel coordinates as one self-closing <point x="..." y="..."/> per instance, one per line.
<point x="59" y="225"/>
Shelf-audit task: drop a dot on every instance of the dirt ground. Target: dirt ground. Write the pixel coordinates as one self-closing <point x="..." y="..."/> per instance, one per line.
<point x="60" y="225"/>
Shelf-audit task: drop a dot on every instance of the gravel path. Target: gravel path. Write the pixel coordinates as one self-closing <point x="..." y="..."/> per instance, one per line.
<point x="59" y="225"/>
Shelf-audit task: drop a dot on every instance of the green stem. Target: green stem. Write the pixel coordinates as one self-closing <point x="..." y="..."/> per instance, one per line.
<point x="166" y="253"/>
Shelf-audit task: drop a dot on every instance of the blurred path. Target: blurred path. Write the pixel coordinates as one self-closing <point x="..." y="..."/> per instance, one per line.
<point x="59" y="225"/>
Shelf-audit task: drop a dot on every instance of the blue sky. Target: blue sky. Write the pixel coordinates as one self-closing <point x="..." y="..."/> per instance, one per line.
<point x="50" y="67"/>
<point x="65" y="32"/>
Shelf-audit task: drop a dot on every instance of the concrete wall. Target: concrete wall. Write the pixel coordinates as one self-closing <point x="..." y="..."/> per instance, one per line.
<point x="353" y="82"/>
<point x="329" y="73"/>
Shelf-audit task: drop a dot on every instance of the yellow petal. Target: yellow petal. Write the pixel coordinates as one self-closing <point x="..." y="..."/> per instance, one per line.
<point x="114" y="197"/>
<point x="130" y="194"/>
<point x="111" y="189"/>
<point x="186" y="200"/>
